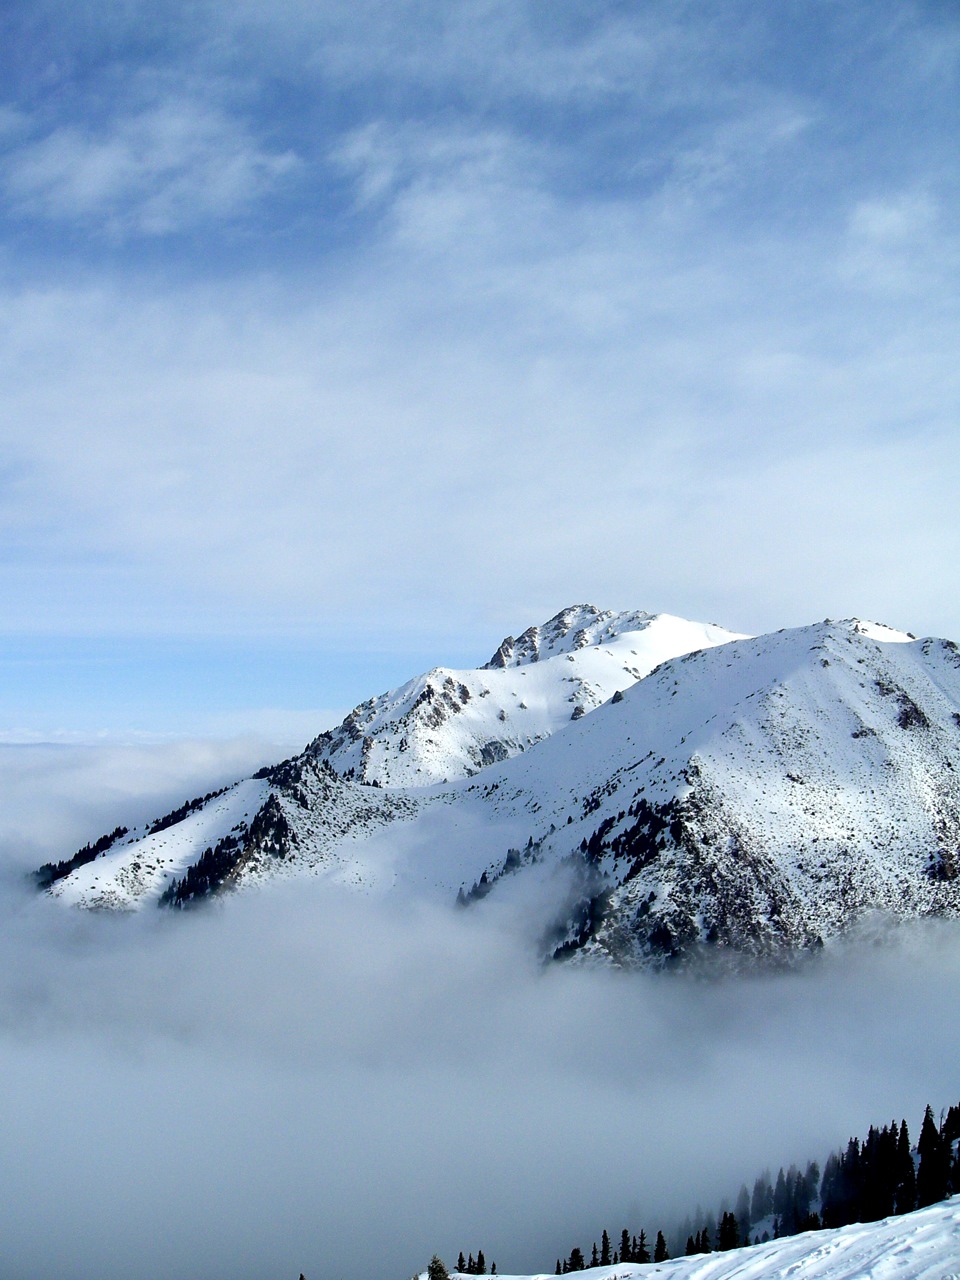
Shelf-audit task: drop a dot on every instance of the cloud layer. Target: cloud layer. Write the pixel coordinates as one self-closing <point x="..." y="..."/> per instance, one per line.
<point x="310" y="1080"/>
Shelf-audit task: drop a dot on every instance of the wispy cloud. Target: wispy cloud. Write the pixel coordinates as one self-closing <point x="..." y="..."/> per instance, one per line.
<point x="158" y="171"/>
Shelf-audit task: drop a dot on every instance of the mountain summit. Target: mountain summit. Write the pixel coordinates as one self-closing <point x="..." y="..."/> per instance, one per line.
<point x="690" y="788"/>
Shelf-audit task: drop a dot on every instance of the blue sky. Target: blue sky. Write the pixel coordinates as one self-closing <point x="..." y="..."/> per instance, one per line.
<point x="338" y="340"/>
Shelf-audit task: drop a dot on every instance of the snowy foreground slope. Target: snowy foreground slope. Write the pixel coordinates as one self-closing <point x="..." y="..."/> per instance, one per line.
<point x="924" y="1245"/>
<point x="759" y="794"/>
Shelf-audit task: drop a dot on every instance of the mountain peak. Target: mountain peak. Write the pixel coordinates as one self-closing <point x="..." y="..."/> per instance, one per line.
<point x="573" y="628"/>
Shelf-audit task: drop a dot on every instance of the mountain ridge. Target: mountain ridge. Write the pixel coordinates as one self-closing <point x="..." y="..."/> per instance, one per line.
<point x="757" y="796"/>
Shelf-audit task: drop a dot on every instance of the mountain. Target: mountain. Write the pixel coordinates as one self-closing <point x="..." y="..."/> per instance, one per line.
<point x="923" y="1245"/>
<point x="449" y="724"/>
<point x="752" y="795"/>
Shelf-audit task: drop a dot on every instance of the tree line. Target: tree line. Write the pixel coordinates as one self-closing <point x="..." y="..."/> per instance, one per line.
<point x="868" y="1179"/>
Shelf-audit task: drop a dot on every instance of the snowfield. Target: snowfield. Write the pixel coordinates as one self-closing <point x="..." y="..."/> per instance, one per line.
<point x="924" y="1245"/>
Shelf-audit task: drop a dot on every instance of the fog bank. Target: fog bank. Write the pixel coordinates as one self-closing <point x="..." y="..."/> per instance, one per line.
<point x="308" y="1079"/>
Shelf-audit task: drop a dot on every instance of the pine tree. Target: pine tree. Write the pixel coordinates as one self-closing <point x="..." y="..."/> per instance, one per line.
<point x="576" y="1262"/>
<point x="625" y="1253"/>
<point x="604" y="1250"/>
<point x="558" y="1271"/>
<point x="933" y="1174"/>
<point x="436" y="1270"/>
<point x="781" y="1197"/>
<point x="594" y="1257"/>
<point x="691" y="1248"/>
<point x="761" y="1202"/>
<point x="743" y="1211"/>
<point x="461" y="1263"/>
<point x="481" y="1265"/>
<point x="660" y="1249"/>
<point x="905" y="1196"/>
<point x="642" y="1253"/>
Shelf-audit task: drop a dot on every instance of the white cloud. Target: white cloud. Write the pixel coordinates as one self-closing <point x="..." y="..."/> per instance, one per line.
<point x="153" y="172"/>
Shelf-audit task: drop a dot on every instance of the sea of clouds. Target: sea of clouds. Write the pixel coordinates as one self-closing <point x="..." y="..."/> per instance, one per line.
<point x="309" y="1079"/>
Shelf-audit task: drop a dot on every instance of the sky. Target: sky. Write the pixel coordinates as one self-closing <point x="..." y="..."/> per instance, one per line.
<point x="340" y="340"/>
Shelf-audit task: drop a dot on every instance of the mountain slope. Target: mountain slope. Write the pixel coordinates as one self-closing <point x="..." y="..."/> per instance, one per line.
<point x="449" y="724"/>
<point x="761" y="797"/>
<point x="923" y="1245"/>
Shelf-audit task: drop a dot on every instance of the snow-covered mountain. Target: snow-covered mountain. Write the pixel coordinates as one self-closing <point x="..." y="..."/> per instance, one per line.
<point x="923" y="1245"/>
<point x="755" y="794"/>
<point x="449" y="724"/>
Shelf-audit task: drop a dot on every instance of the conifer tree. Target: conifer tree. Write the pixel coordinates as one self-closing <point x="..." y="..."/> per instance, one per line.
<point x="933" y="1173"/>
<point x="642" y="1253"/>
<point x="481" y="1264"/>
<point x="905" y="1196"/>
<point x="594" y="1257"/>
<point x="625" y="1252"/>
<point x="604" y="1250"/>
<point x="742" y="1210"/>
<point x="691" y="1248"/>
<point x="761" y="1202"/>
<point x="728" y="1236"/>
<point x="660" y="1249"/>
<point x="461" y="1263"/>
<point x="436" y="1270"/>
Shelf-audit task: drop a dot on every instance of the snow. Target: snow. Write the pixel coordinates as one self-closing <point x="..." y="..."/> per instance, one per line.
<point x="924" y="1245"/>
<point x="141" y="865"/>
<point x="449" y="724"/>
<point x="808" y="778"/>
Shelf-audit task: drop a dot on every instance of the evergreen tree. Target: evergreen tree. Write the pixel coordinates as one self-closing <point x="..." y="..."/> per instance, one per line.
<point x="625" y="1253"/>
<point x="660" y="1249"/>
<point x="642" y="1253"/>
<point x="594" y="1257"/>
<point x="558" y="1270"/>
<point x="728" y="1236"/>
<point x="691" y="1248"/>
<point x="576" y="1262"/>
<point x="461" y="1264"/>
<point x="905" y="1195"/>
<point x="781" y="1197"/>
<point x="604" y="1250"/>
<point x="481" y="1265"/>
<point x="436" y="1270"/>
<point x="742" y="1211"/>
<point x="761" y="1202"/>
<point x="933" y="1173"/>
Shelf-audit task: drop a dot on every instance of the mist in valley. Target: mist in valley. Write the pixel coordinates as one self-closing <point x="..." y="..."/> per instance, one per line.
<point x="303" y="1078"/>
